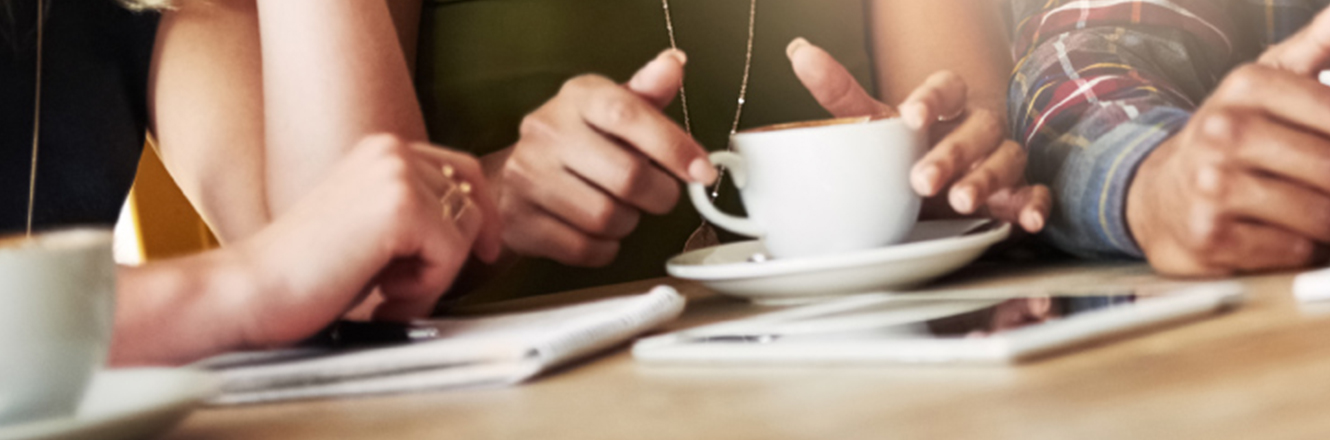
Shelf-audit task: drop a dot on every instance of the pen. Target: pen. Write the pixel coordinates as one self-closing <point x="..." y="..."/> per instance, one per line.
<point x="346" y="334"/>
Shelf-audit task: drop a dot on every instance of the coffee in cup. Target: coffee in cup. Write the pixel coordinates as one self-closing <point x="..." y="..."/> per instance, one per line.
<point x="821" y="187"/>
<point x="57" y="306"/>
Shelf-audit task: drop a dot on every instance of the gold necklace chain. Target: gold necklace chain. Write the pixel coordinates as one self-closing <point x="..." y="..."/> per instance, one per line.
<point x="743" y="84"/>
<point x="705" y="235"/>
<point x="36" y="116"/>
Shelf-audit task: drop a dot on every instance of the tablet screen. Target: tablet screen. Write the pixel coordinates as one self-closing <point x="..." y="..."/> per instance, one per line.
<point x="1017" y="313"/>
<point x="942" y="318"/>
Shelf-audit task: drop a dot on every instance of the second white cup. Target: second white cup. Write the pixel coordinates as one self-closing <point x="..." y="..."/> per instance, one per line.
<point x="57" y="306"/>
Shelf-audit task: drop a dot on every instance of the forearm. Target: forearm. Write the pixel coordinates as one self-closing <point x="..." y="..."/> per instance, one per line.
<point x="1091" y="102"/>
<point x="209" y="53"/>
<point x="333" y="72"/>
<point x="913" y="39"/>
<point x="177" y="311"/>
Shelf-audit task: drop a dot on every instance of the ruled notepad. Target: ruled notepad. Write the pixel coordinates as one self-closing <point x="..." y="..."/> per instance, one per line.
<point x="471" y="352"/>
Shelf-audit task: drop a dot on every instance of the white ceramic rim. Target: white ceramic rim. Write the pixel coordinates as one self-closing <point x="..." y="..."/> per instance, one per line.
<point x="895" y="120"/>
<point x="60" y="240"/>
<point x="791" y="266"/>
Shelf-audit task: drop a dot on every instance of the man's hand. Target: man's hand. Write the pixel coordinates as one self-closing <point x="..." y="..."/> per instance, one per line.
<point x="1244" y="186"/>
<point x="973" y="162"/>
<point x="591" y="160"/>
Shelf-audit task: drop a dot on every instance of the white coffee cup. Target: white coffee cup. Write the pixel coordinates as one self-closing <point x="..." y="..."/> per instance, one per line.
<point x="57" y="306"/>
<point x="821" y="187"/>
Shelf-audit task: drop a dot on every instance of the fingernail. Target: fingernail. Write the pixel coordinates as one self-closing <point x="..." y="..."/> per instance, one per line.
<point x="911" y="114"/>
<point x="1033" y="221"/>
<point x="924" y="180"/>
<point x="677" y="54"/>
<point x="702" y="171"/>
<point x="962" y="199"/>
<point x="795" y="45"/>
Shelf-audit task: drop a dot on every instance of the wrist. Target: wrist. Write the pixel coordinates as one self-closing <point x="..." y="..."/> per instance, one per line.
<point x="1141" y="191"/>
<point x="255" y="282"/>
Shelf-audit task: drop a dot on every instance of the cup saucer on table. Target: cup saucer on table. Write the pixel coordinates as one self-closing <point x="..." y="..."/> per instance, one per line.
<point x="932" y="249"/>
<point x="125" y="404"/>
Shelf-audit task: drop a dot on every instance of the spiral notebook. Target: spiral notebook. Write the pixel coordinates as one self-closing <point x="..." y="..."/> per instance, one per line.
<point x="470" y="352"/>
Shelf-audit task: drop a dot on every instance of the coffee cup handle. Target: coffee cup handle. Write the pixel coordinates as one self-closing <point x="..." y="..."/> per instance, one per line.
<point x="698" y="193"/>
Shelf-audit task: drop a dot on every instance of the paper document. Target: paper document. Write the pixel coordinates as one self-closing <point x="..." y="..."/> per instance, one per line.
<point x="487" y="351"/>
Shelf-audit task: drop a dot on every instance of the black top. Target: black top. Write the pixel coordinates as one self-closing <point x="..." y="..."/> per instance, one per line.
<point x="94" y="109"/>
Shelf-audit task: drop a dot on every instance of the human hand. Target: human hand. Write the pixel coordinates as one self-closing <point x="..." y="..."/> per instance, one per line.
<point x="591" y="160"/>
<point x="1243" y="187"/>
<point x="388" y="216"/>
<point x="972" y="160"/>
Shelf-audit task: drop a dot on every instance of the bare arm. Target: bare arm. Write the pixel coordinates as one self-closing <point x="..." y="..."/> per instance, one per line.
<point x="333" y="72"/>
<point x="912" y="39"/>
<point x="310" y="266"/>
<point x="206" y="103"/>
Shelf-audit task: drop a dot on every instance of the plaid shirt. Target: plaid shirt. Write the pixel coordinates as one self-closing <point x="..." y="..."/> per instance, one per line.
<point x="1100" y="83"/>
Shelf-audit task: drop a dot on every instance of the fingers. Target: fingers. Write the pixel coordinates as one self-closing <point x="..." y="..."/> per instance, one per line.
<point x="658" y="82"/>
<point x="575" y="202"/>
<point x="1306" y="53"/>
<point x="489" y="239"/>
<point x="830" y="83"/>
<point x="1248" y="247"/>
<point x="942" y="96"/>
<point x="1270" y="201"/>
<point x="1260" y="144"/>
<point x="951" y="158"/>
<point x="541" y="234"/>
<point x="428" y="263"/>
<point x="1028" y="206"/>
<point x="1003" y="169"/>
<point x="620" y="113"/>
<point x="1301" y="101"/>
<point x="627" y="176"/>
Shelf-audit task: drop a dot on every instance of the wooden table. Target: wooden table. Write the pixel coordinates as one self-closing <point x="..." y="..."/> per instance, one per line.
<point x="1260" y="372"/>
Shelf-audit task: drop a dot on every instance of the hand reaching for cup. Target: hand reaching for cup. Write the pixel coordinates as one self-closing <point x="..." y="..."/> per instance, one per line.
<point x="978" y="168"/>
<point x="591" y="160"/>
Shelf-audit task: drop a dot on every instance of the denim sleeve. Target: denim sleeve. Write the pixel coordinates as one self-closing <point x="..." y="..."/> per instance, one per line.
<point x="1096" y="89"/>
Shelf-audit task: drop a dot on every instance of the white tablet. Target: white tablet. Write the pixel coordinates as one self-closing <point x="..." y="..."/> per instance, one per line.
<point x="919" y="329"/>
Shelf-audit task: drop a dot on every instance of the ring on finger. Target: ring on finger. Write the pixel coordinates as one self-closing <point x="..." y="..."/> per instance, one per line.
<point x="457" y="199"/>
<point x="952" y="117"/>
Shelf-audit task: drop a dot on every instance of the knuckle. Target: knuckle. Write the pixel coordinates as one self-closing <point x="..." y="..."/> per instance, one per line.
<point x="581" y="84"/>
<point x="989" y="124"/>
<point x="1222" y="128"/>
<point x="1244" y="80"/>
<point x="1206" y="232"/>
<point x="1210" y="180"/>
<point x="383" y="140"/>
<point x="985" y="178"/>
<point x="535" y="125"/>
<point x="614" y="108"/>
<point x="955" y="155"/>
<point x="602" y="216"/>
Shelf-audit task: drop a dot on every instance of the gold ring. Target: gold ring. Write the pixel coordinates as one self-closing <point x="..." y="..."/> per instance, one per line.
<point x="457" y="199"/>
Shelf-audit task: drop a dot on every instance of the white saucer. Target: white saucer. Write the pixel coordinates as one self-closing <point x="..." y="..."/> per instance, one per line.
<point x="125" y="405"/>
<point x="933" y="249"/>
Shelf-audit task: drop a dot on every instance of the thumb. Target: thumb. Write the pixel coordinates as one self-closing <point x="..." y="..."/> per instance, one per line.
<point x="830" y="83"/>
<point x="1306" y="53"/>
<point x="659" y="80"/>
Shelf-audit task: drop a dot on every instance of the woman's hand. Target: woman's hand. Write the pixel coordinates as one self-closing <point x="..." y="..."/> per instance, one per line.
<point x="591" y="160"/>
<point x="972" y="160"/>
<point x="394" y="215"/>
